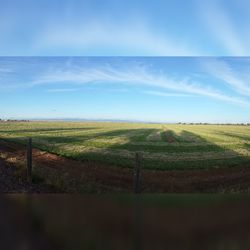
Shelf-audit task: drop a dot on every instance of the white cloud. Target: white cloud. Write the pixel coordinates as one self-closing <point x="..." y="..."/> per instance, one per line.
<point x="222" y="27"/>
<point x="5" y="70"/>
<point x="167" y="94"/>
<point x="137" y="75"/>
<point x="61" y="90"/>
<point x="103" y="37"/>
<point x="238" y="81"/>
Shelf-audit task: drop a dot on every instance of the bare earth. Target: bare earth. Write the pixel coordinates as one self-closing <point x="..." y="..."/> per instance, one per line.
<point x="11" y="183"/>
<point x="113" y="178"/>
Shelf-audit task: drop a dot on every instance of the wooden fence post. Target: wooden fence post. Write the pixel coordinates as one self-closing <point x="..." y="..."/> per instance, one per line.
<point x="29" y="160"/>
<point x="137" y="172"/>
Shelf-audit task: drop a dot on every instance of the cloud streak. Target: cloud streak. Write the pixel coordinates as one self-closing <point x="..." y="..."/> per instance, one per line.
<point x="62" y="27"/>
<point x="136" y="38"/>
<point x="222" y="27"/>
<point x="61" y="90"/>
<point x="237" y="81"/>
<point x="138" y="75"/>
<point x="166" y="94"/>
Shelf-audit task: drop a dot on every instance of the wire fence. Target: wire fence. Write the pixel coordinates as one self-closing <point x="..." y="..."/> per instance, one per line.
<point x="138" y="160"/>
<point x="73" y="174"/>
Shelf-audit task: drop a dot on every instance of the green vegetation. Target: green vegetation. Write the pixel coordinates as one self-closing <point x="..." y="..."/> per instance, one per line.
<point x="164" y="146"/>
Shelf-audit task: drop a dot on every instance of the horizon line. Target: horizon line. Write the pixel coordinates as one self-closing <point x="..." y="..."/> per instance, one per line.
<point x="118" y="121"/>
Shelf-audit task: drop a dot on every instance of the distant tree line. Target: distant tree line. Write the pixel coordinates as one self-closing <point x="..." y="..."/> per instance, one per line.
<point x="13" y="120"/>
<point x="206" y="123"/>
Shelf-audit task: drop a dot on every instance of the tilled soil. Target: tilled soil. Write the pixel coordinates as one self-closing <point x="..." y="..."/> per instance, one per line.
<point x="11" y="183"/>
<point x="106" y="178"/>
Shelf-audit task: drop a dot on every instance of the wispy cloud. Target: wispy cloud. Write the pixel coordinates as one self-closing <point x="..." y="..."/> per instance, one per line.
<point x="137" y="75"/>
<point x="167" y="94"/>
<point x="134" y="37"/>
<point x="5" y="70"/>
<point x="60" y="90"/>
<point x="239" y="81"/>
<point x="131" y="28"/>
<point x="223" y="28"/>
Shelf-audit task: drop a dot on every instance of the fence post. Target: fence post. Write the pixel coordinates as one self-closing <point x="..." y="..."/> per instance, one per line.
<point x="29" y="160"/>
<point x="137" y="172"/>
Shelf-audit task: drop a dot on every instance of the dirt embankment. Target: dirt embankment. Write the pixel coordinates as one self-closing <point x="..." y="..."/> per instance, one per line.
<point x="75" y="176"/>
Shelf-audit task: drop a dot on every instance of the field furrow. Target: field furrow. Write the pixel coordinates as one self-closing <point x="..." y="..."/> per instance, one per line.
<point x="160" y="144"/>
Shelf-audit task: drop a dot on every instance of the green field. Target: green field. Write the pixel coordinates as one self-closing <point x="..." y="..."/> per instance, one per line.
<point x="164" y="146"/>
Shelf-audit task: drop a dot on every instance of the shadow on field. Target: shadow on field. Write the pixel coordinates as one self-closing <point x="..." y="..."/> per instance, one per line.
<point x="79" y="138"/>
<point x="186" y="149"/>
<point x="135" y="140"/>
<point x="184" y="136"/>
<point x="98" y="171"/>
<point x="237" y="136"/>
<point x="38" y="130"/>
<point x="188" y="136"/>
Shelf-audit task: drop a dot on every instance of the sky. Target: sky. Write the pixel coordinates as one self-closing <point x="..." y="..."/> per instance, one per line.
<point x="151" y="89"/>
<point x="145" y="60"/>
<point x="125" y="28"/>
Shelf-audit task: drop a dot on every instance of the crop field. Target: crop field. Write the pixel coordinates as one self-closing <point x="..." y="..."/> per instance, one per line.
<point x="164" y="146"/>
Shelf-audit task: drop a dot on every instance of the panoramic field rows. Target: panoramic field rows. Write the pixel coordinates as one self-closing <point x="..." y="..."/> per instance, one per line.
<point x="163" y="146"/>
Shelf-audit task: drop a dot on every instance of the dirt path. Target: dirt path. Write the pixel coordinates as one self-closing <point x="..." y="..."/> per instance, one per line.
<point x="78" y="176"/>
<point x="10" y="183"/>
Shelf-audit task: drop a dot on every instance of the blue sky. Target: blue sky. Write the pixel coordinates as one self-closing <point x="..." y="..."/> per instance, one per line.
<point x="125" y="27"/>
<point x="123" y="70"/>
<point x="160" y="89"/>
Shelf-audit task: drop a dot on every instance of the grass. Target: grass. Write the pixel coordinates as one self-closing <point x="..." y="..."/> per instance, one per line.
<point x="164" y="146"/>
